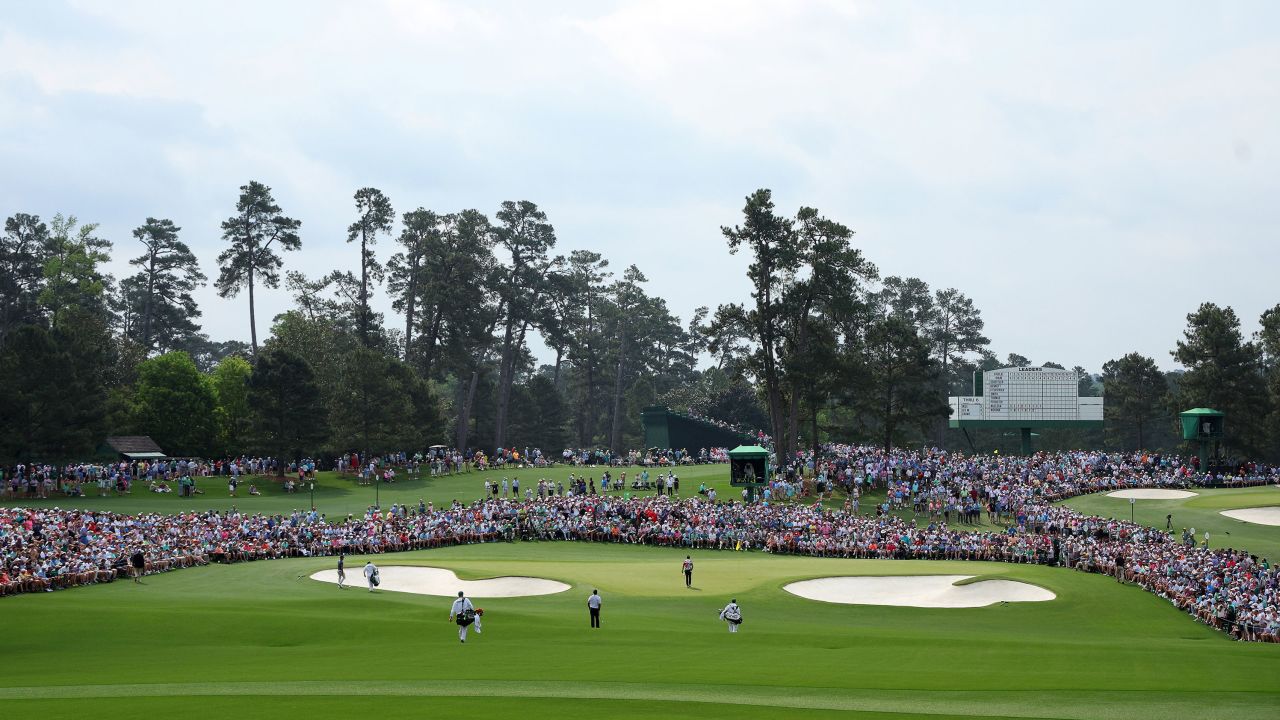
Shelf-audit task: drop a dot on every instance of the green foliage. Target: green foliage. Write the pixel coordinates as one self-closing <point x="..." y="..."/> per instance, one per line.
<point x="375" y="216"/>
<point x="1269" y="343"/>
<point x="439" y="281"/>
<point x="899" y="399"/>
<point x="252" y="235"/>
<point x="1224" y="372"/>
<point x="208" y="353"/>
<point x="175" y="404"/>
<point x="1016" y="360"/>
<point x="1137" y="401"/>
<point x="523" y="285"/>
<point x="540" y="417"/>
<point x="288" y="419"/>
<point x="158" y="299"/>
<point x="72" y="278"/>
<point x="230" y="381"/>
<point x="23" y="249"/>
<point x="50" y="410"/>
<point x="369" y="409"/>
<point x="807" y="282"/>
<point x="56" y="353"/>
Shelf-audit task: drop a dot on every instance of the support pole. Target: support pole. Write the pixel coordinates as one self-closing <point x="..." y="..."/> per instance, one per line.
<point x="1026" y="441"/>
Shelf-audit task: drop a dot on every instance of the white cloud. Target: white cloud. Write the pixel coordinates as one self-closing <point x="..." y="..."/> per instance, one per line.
<point x="1122" y="153"/>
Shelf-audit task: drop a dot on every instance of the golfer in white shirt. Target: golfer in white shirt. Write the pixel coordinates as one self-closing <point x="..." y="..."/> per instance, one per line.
<point x="464" y="613"/>
<point x="593" y="608"/>
<point x="370" y="571"/>
<point x="732" y="615"/>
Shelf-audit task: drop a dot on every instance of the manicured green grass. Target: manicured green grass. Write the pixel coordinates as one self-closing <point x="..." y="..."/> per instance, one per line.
<point x="263" y="640"/>
<point x="1203" y="512"/>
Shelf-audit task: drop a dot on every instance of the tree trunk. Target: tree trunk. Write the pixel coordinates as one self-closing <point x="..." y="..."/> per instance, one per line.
<point x="253" y="326"/>
<point x="815" y="433"/>
<point x="888" y="416"/>
<point x="505" y="371"/>
<point x="433" y="335"/>
<point x="793" y="417"/>
<point x="616" y="428"/>
<point x="146" y="316"/>
<point x="773" y="392"/>
<point x="410" y="305"/>
<point x="555" y="377"/>
<point x="464" y="410"/>
<point x="364" y="290"/>
<point x="941" y="433"/>
<point x="775" y="412"/>
<point x="588" y="408"/>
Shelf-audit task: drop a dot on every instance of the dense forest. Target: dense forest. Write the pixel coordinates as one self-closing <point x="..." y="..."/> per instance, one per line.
<point x="826" y="349"/>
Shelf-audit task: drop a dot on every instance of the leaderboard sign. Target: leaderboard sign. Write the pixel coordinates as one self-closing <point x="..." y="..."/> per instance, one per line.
<point x="1030" y="395"/>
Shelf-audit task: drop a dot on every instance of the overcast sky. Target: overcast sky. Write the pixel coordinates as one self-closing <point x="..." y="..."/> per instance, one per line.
<point x="1087" y="172"/>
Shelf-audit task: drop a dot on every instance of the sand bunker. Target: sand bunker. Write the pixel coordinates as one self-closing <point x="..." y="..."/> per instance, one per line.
<point x="444" y="583"/>
<point x="1258" y="516"/>
<point x="927" y="591"/>
<point x="1150" y="494"/>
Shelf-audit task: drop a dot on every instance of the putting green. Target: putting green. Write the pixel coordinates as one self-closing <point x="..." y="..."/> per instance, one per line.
<point x="261" y="640"/>
<point x="1201" y="512"/>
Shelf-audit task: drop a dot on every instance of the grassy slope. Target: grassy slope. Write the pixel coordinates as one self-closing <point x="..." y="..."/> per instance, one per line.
<point x="338" y="495"/>
<point x="1201" y="512"/>
<point x="255" y="640"/>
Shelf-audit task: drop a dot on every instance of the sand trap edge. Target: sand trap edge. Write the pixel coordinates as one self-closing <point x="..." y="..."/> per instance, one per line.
<point x="443" y="582"/>
<point x="1268" y="516"/>
<point x="930" y="591"/>
<point x="1152" y="494"/>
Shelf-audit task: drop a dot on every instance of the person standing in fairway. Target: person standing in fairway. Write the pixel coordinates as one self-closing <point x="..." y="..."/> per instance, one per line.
<point x="342" y="571"/>
<point x="464" y="613"/>
<point x="593" y="607"/>
<point x="732" y="614"/>
<point x="371" y="575"/>
<point x="687" y="569"/>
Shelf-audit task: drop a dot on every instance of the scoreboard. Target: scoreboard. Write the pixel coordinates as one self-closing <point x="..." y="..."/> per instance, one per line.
<point x="1031" y="393"/>
<point x="1027" y="396"/>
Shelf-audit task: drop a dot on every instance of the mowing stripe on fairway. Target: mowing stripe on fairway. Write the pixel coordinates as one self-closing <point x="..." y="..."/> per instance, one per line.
<point x="1065" y="704"/>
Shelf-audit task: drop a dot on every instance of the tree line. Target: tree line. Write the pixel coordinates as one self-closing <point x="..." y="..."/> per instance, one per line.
<point x="837" y="352"/>
<point x="826" y="348"/>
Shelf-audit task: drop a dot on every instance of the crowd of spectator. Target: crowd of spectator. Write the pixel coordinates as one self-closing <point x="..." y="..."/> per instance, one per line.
<point x="183" y="475"/>
<point x="930" y="498"/>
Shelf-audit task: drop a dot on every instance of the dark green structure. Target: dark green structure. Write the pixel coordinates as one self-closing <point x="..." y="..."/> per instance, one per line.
<point x="1205" y="427"/>
<point x="749" y="468"/>
<point x="667" y="429"/>
<point x="1009" y="401"/>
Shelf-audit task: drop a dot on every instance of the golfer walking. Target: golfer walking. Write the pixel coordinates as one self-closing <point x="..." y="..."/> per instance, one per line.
<point x="687" y="569"/>
<point x="593" y="607"/>
<point x="464" y="613"/>
<point x="342" y="570"/>
<point x="371" y="575"/>
<point x="137" y="565"/>
<point x="732" y="614"/>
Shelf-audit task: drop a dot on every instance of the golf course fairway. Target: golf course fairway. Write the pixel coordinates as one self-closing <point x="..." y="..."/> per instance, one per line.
<point x="263" y="639"/>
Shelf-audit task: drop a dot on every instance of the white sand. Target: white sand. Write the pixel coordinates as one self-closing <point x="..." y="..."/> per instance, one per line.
<point x="1151" y="494"/>
<point x="928" y="591"/>
<point x="1258" y="516"/>
<point x="444" y="583"/>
